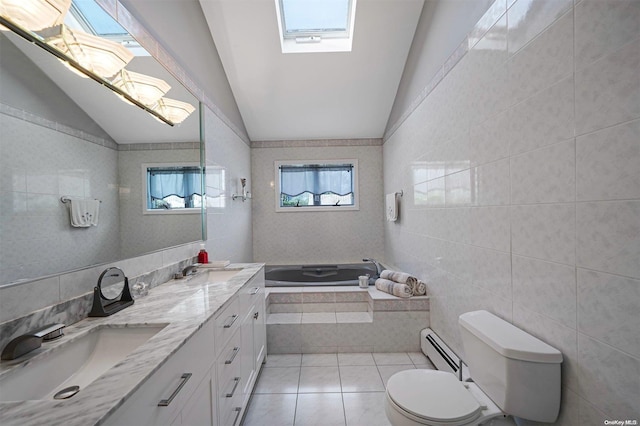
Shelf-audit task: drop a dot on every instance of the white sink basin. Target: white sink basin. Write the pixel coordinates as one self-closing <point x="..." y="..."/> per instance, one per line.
<point x="221" y="275"/>
<point x="76" y="363"/>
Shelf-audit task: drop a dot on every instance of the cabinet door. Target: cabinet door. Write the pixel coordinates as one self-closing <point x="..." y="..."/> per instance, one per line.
<point x="247" y="354"/>
<point x="259" y="334"/>
<point x="199" y="410"/>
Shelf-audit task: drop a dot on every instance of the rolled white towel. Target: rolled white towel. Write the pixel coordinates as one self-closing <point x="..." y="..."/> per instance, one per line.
<point x="418" y="288"/>
<point x="391" y="287"/>
<point x="399" y="277"/>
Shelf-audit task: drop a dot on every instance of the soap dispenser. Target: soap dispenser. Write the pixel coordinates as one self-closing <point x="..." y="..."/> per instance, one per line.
<point x="203" y="256"/>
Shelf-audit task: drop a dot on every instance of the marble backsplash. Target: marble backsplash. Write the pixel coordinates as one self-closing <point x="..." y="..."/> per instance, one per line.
<point x="76" y="309"/>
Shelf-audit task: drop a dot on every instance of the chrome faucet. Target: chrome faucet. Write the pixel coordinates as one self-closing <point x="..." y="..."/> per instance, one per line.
<point x="189" y="270"/>
<point x="32" y="340"/>
<point x="375" y="262"/>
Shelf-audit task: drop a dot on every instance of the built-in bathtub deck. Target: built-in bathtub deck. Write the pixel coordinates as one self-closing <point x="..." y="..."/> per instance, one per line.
<point x="343" y="319"/>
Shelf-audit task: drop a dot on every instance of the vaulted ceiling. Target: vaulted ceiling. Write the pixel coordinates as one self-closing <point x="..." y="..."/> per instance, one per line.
<point x="312" y="95"/>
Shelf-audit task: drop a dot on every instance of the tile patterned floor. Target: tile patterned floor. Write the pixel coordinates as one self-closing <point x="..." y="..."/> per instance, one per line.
<point x="344" y="389"/>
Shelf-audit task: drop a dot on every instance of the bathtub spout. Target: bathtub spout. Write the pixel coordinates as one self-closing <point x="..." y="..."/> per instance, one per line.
<point x="375" y="262"/>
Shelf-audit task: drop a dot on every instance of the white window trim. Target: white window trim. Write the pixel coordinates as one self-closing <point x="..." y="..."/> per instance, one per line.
<point x="145" y="189"/>
<point x="356" y="186"/>
<point x="328" y="43"/>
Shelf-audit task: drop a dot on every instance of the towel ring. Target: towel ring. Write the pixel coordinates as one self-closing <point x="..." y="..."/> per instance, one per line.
<point x="401" y="193"/>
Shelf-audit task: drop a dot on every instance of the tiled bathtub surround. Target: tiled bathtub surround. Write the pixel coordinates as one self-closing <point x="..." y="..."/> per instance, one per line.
<point x="525" y="190"/>
<point x="343" y="319"/>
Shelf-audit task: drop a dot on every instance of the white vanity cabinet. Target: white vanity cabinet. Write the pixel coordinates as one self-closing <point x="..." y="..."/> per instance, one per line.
<point x="253" y="330"/>
<point x="240" y="358"/>
<point x="176" y="393"/>
<point x="209" y="380"/>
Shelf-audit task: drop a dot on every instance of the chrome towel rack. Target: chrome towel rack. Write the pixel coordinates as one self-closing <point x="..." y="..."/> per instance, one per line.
<point x="66" y="199"/>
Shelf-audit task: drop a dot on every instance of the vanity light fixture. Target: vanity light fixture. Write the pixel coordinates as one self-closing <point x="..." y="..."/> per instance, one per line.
<point x="146" y="89"/>
<point x="98" y="55"/>
<point x="35" y="14"/>
<point x="68" y="58"/>
<point x="175" y="111"/>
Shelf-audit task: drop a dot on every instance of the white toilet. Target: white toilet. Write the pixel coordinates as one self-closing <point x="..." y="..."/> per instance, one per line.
<point x="513" y="373"/>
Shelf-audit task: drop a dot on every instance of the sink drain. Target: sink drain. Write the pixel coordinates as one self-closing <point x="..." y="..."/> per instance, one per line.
<point x="67" y="392"/>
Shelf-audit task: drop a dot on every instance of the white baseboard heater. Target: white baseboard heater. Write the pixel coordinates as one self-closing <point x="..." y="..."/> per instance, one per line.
<point x="441" y="355"/>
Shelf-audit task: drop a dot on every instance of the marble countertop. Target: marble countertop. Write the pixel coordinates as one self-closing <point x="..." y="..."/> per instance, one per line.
<point x="184" y="305"/>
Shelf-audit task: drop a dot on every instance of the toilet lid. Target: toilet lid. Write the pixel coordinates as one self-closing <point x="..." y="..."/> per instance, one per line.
<point x="433" y="395"/>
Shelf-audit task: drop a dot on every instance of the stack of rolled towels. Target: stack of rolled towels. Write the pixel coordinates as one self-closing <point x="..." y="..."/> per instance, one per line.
<point x="400" y="284"/>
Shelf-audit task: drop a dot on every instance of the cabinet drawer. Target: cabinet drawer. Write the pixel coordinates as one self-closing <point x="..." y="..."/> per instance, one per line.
<point x="226" y="323"/>
<point x="162" y="396"/>
<point x="251" y="292"/>
<point x="230" y="408"/>
<point x="229" y="360"/>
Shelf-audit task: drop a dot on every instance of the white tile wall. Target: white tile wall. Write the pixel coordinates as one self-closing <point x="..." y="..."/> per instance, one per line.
<point x="139" y="232"/>
<point x="317" y="237"/>
<point x="39" y="164"/>
<point x="526" y="160"/>
<point x="229" y="228"/>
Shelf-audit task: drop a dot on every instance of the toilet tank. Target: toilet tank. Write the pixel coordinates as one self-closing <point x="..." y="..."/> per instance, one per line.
<point x="519" y="372"/>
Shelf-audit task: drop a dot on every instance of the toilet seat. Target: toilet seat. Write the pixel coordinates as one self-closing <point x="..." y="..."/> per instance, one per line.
<point x="432" y="397"/>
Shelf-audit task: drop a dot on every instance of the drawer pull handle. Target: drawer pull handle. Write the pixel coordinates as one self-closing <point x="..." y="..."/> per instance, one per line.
<point x="233" y="355"/>
<point x="236" y="380"/>
<point x="254" y="290"/>
<point x="237" y="410"/>
<point x="256" y="315"/>
<point x="185" y="378"/>
<point x="233" y="317"/>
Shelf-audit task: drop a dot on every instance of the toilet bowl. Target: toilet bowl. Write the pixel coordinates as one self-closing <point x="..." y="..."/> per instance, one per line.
<point x="513" y="373"/>
<point x="436" y="398"/>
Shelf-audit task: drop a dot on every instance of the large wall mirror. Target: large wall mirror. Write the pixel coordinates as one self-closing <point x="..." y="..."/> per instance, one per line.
<point x="65" y="135"/>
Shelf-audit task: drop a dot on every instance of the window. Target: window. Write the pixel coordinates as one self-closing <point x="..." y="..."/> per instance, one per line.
<point x="90" y="17"/>
<point x="316" y="25"/>
<point x="313" y="186"/>
<point x="175" y="188"/>
<point x="325" y="18"/>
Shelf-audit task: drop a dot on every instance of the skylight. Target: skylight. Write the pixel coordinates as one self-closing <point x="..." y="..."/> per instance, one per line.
<point x="316" y="25"/>
<point x="315" y="17"/>
<point x="98" y="21"/>
<point x="90" y="17"/>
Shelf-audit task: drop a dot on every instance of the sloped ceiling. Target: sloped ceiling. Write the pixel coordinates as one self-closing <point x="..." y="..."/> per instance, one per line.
<point x="124" y="122"/>
<point x="313" y="95"/>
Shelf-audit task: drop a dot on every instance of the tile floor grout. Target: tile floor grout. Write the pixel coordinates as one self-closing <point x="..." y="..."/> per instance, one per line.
<point x="273" y="404"/>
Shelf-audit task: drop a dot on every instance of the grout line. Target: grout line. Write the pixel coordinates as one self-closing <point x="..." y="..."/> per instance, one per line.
<point x="295" y="410"/>
<point x="575" y="188"/>
<point x="344" y="410"/>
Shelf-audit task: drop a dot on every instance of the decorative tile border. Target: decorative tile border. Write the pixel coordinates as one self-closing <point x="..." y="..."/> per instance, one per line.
<point x="58" y="127"/>
<point x="168" y="146"/>
<point x="326" y="300"/>
<point x="315" y="143"/>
